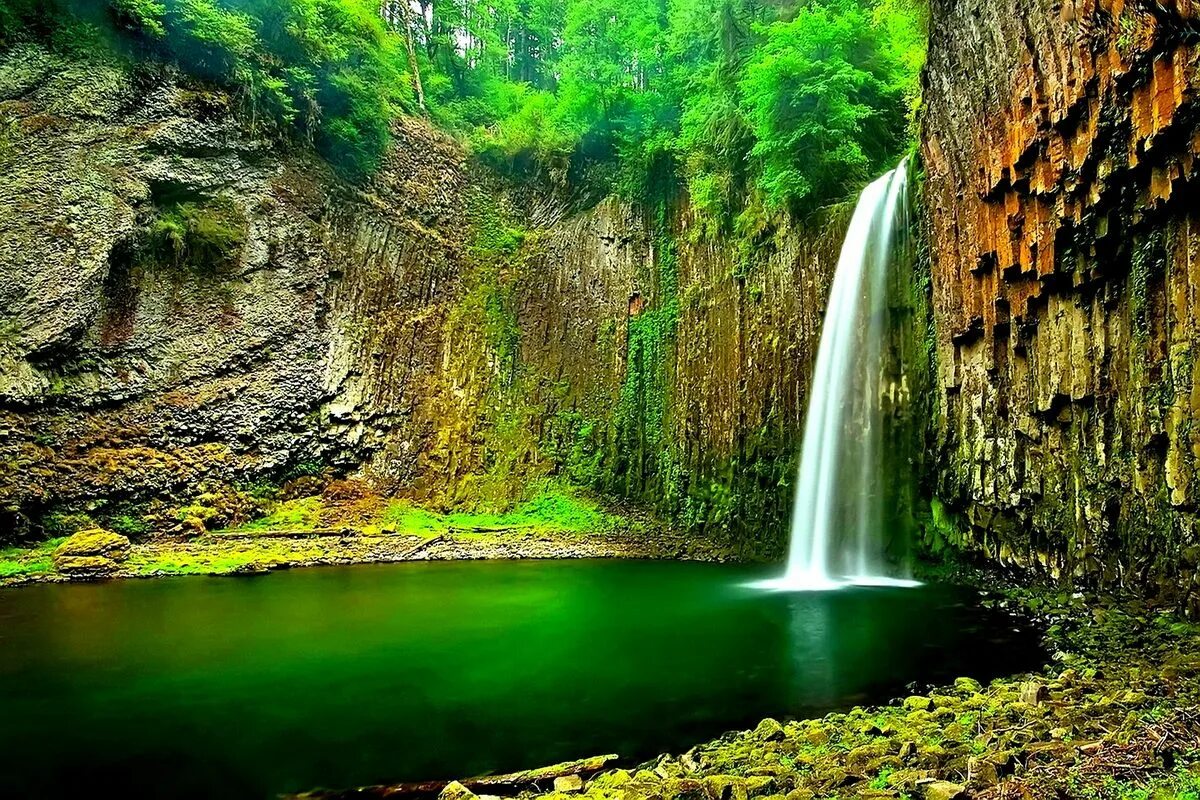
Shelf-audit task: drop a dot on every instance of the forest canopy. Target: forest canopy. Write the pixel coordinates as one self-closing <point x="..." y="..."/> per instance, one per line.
<point x="755" y="106"/>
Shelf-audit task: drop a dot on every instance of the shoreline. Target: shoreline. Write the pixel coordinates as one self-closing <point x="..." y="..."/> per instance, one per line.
<point x="231" y="554"/>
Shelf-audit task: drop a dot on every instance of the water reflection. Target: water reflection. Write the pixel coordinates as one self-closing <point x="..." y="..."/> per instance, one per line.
<point x="349" y="676"/>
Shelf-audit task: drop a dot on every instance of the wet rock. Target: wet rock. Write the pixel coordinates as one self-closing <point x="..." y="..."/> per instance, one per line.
<point x="942" y="790"/>
<point x="95" y="542"/>
<point x="1034" y="693"/>
<point x="91" y="553"/>
<point x="456" y="791"/>
<point x="769" y="730"/>
<point x="918" y="703"/>
<point x="726" y="787"/>
<point x="568" y="784"/>
<point x="612" y="780"/>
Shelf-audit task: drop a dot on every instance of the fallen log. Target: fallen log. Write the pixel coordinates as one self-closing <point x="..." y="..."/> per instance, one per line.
<point x="511" y="783"/>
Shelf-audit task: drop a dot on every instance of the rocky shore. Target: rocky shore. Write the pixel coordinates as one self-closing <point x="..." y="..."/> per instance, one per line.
<point x="356" y="529"/>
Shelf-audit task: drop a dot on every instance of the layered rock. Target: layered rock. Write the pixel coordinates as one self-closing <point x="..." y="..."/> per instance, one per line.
<point x="1059" y="146"/>
<point x="185" y="303"/>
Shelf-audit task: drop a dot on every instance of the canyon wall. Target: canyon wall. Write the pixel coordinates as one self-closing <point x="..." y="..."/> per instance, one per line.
<point x="187" y="306"/>
<point x="1059" y="146"/>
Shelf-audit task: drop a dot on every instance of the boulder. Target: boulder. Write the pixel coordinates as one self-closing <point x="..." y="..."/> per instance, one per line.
<point x="456" y="791"/>
<point x="568" y="784"/>
<point x="967" y="685"/>
<point x="769" y="730"/>
<point x="726" y="787"/>
<point x="91" y="553"/>
<point x="983" y="773"/>
<point x="94" y="542"/>
<point x="942" y="790"/>
<point x="918" y="703"/>
<point x="85" y="566"/>
<point x="1034" y="693"/>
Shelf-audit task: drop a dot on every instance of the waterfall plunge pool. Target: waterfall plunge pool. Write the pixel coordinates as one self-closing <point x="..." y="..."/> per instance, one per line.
<point x="343" y="676"/>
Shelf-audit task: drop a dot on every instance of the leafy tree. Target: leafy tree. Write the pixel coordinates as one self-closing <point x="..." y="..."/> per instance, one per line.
<point x="757" y="106"/>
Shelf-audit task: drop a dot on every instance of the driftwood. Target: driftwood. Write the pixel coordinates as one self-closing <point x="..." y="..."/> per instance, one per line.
<point x="269" y="534"/>
<point x="509" y="784"/>
<point x="412" y="551"/>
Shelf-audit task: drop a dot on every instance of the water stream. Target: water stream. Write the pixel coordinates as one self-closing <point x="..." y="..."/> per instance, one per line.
<point x="836" y="536"/>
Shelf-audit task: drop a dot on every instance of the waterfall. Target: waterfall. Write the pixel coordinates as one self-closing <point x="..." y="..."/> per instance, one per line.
<point x="837" y="521"/>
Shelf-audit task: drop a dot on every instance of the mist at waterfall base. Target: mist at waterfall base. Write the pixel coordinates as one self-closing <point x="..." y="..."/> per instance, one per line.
<point x="837" y="536"/>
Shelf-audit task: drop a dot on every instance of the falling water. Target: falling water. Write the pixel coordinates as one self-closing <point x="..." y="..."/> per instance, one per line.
<point x="837" y="513"/>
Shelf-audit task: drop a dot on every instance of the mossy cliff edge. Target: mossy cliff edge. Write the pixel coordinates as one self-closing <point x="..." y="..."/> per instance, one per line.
<point x="190" y="311"/>
<point x="1061" y="224"/>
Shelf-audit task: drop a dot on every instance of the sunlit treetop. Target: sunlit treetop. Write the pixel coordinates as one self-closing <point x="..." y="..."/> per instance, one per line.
<point x="755" y="107"/>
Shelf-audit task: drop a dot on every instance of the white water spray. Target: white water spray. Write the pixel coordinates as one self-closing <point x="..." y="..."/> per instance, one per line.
<point x="837" y="513"/>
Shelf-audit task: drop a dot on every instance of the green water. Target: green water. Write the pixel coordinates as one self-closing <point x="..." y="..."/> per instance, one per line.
<point x="211" y="687"/>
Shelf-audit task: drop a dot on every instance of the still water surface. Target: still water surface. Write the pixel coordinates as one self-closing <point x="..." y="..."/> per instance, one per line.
<point x="335" y="677"/>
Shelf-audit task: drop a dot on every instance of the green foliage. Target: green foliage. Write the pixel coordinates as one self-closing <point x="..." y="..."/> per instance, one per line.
<point x="128" y="525"/>
<point x="756" y="106"/>
<point x="824" y="104"/>
<point x="295" y="515"/>
<point x="205" y="236"/>
<point x="327" y="70"/>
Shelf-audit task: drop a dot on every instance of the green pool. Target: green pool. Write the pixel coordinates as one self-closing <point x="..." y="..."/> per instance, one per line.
<point x="212" y="687"/>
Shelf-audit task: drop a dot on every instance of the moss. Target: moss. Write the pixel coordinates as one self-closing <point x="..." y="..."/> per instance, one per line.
<point x="25" y="561"/>
<point x="254" y="554"/>
<point x="201" y="235"/>
<point x="303" y="514"/>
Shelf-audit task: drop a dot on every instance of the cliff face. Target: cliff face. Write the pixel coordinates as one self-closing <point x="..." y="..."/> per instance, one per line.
<point x="185" y="305"/>
<point x="180" y="303"/>
<point x="1060" y="141"/>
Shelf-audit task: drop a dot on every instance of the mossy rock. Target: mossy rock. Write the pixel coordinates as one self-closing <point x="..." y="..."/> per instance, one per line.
<point x="85" y="566"/>
<point x="95" y="542"/>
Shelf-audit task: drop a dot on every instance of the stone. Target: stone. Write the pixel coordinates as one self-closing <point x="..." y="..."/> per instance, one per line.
<point x="983" y="773"/>
<point x="94" y="542"/>
<point x="85" y="566"/>
<point x="759" y="785"/>
<point x="612" y="780"/>
<point x="568" y="784"/>
<point x="456" y="791"/>
<point x="684" y="789"/>
<point x="726" y="787"/>
<point x="1034" y="693"/>
<point x="918" y="703"/>
<point x="769" y="730"/>
<point x="967" y="685"/>
<point x="942" y="790"/>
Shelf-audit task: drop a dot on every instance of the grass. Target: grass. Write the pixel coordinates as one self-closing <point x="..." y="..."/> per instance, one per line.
<point x="20" y="561"/>
<point x="555" y="510"/>
<point x="294" y="515"/>
<point x="224" y="559"/>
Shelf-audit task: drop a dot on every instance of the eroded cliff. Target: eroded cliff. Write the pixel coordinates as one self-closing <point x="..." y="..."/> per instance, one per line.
<point x="187" y="306"/>
<point x="1060" y="141"/>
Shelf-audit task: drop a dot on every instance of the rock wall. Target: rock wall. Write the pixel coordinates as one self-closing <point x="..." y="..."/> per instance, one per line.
<point x="185" y="305"/>
<point x="1059" y="148"/>
<point x="134" y="363"/>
